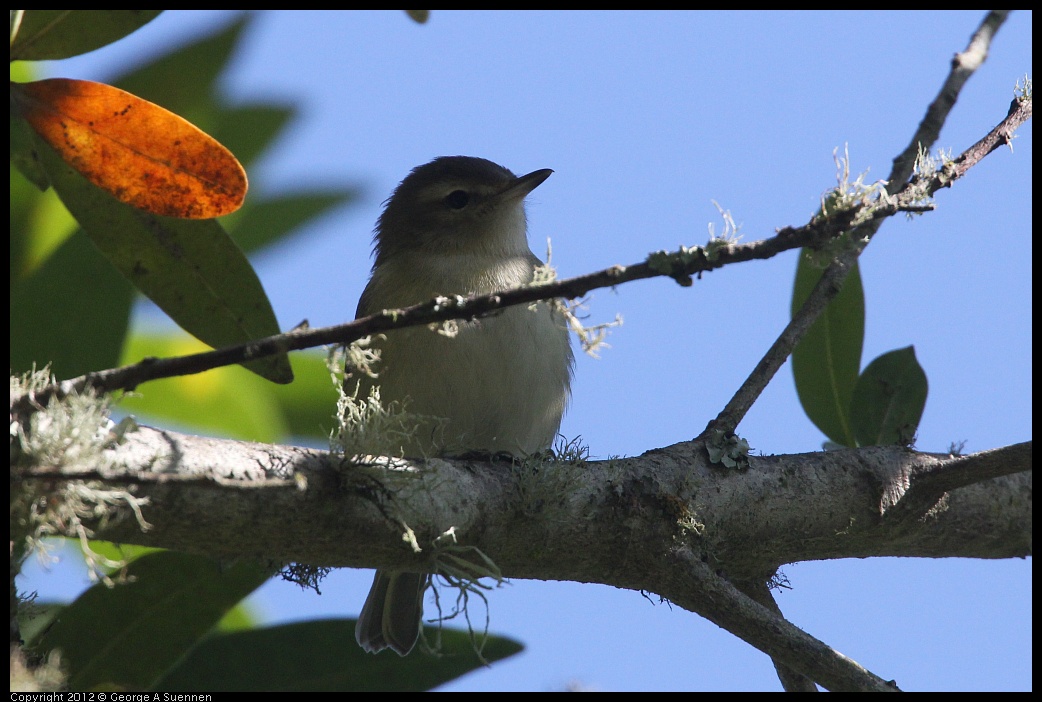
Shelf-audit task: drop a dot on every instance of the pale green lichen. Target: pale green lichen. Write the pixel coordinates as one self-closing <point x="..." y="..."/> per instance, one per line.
<point x="70" y="436"/>
<point x="667" y="262"/>
<point x="591" y="338"/>
<point x="1023" y="91"/>
<point x="365" y="425"/>
<point x="729" y="450"/>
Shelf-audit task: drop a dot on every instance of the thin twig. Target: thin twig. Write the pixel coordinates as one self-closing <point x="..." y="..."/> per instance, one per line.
<point x="831" y="282"/>
<point x="680" y="266"/>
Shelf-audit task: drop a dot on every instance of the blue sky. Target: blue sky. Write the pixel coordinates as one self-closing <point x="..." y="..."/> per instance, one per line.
<point x="646" y="119"/>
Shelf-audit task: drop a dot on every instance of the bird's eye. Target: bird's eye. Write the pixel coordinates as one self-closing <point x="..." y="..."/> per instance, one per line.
<point x="457" y="199"/>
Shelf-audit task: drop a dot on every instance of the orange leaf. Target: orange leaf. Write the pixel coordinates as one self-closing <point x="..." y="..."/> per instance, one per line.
<point x="142" y="154"/>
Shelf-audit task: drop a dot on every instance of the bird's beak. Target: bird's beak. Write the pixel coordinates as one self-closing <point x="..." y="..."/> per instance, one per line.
<point x="524" y="185"/>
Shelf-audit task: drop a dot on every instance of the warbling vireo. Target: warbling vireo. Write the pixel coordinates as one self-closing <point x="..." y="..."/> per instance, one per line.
<point x="457" y="225"/>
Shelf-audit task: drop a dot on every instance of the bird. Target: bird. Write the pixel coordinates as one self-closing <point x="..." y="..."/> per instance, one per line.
<point x="500" y="383"/>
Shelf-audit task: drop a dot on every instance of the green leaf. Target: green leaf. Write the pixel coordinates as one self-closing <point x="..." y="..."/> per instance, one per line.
<point x="72" y="312"/>
<point x="229" y="402"/>
<point x="247" y="130"/>
<point x="58" y="34"/>
<point x="825" y="363"/>
<point x="322" y="656"/>
<point x="127" y="636"/>
<point x="241" y="617"/>
<point x="259" y="224"/>
<point x="22" y="156"/>
<point x="184" y="79"/>
<point x="225" y="401"/>
<point x="309" y="403"/>
<point x="889" y="399"/>
<point x="34" y="618"/>
<point x="190" y="268"/>
<point x="124" y="553"/>
<point x="24" y="200"/>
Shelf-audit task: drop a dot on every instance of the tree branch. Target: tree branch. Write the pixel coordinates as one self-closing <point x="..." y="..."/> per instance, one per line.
<point x="666" y="522"/>
<point x="724" y="605"/>
<point x="928" y="486"/>
<point x="791" y="680"/>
